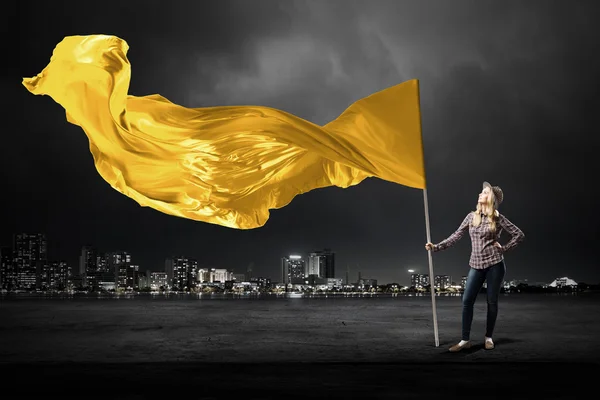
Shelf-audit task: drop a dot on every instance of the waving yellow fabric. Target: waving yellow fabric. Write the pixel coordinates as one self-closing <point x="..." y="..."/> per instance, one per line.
<point x="225" y="165"/>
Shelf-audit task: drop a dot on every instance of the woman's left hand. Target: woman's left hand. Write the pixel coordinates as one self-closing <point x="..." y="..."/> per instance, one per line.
<point x="498" y="245"/>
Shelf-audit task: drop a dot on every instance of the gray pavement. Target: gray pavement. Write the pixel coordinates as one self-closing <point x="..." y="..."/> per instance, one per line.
<point x="360" y="340"/>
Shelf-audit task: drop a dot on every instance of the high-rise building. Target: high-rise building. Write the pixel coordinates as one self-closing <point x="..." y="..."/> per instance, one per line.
<point x="181" y="272"/>
<point x="120" y="263"/>
<point x="144" y="280"/>
<point x="88" y="267"/>
<point x="132" y="280"/>
<point x="321" y="264"/>
<point x="30" y="260"/>
<point x="347" y="274"/>
<point x="102" y="263"/>
<point x="249" y="272"/>
<point x="60" y="276"/>
<point x="8" y="275"/>
<point x="419" y="281"/>
<point x="293" y="270"/>
<point x="106" y="279"/>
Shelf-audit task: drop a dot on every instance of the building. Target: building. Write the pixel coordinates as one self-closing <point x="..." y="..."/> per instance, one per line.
<point x="334" y="283"/>
<point x="119" y="262"/>
<point x="442" y="282"/>
<point x="158" y="281"/>
<point x="30" y="261"/>
<point x="143" y="280"/>
<point x="214" y="275"/>
<point x="60" y="276"/>
<point x="105" y="272"/>
<point x="563" y="282"/>
<point x="261" y="283"/>
<point x="321" y="264"/>
<point x="106" y="282"/>
<point x="133" y="277"/>
<point x="249" y="272"/>
<point x="240" y="278"/>
<point x="366" y="284"/>
<point x="8" y="275"/>
<point x="103" y="264"/>
<point x="292" y="270"/>
<point x="88" y="267"/>
<point x="221" y="275"/>
<point x="419" y="281"/>
<point x="315" y="280"/>
<point x="182" y="272"/>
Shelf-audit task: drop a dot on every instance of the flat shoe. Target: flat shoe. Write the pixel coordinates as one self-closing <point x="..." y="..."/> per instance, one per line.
<point x="489" y="345"/>
<point x="457" y="347"/>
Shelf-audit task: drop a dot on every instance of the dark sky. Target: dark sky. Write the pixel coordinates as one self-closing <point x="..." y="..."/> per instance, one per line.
<point x="508" y="95"/>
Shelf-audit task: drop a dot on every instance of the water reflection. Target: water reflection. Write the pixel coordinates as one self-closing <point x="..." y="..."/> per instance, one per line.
<point x="209" y="296"/>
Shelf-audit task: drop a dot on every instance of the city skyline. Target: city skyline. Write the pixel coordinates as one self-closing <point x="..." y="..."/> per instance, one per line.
<point x="305" y="263"/>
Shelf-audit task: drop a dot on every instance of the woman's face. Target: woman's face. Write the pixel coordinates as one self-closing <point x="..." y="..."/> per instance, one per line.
<point x="484" y="195"/>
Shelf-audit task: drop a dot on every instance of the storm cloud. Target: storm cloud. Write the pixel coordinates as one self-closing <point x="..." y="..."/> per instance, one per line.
<point x="507" y="94"/>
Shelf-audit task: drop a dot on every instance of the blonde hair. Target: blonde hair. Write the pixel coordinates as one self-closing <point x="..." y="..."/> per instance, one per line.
<point x="491" y="213"/>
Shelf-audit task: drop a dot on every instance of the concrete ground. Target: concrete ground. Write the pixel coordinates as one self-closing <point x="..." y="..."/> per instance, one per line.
<point x="262" y="348"/>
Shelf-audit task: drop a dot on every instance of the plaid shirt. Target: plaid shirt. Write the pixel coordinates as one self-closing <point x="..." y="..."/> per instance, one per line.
<point x="484" y="254"/>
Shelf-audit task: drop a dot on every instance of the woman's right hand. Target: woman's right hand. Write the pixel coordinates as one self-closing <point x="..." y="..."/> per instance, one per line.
<point x="428" y="246"/>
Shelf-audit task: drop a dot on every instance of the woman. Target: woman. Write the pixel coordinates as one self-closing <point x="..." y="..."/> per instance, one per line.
<point x="485" y="226"/>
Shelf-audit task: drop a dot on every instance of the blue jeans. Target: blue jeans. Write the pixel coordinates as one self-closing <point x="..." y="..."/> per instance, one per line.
<point x="494" y="276"/>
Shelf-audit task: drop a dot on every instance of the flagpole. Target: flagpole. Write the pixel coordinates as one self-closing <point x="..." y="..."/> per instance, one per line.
<point x="431" y="276"/>
<point x="426" y="203"/>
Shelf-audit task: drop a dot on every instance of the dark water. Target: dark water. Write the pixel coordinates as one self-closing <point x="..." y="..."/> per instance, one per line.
<point x="272" y="296"/>
<point x="213" y="296"/>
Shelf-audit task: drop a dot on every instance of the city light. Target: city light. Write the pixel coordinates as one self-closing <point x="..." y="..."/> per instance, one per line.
<point x="25" y="267"/>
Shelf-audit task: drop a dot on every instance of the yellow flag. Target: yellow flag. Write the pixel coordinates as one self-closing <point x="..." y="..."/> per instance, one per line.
<point x="226" y="165"/>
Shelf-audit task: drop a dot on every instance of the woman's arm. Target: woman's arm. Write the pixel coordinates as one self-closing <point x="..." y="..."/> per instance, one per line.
<point x="455" y="237"/>
<point x="516" y="234"/>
